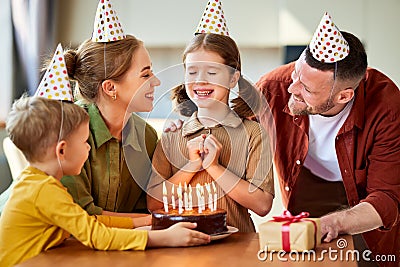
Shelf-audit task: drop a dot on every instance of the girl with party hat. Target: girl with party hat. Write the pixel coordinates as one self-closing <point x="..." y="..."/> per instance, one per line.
<point x="217" y="143"/>
<point x="40" y="214"/>
<point x="113" y="74"/>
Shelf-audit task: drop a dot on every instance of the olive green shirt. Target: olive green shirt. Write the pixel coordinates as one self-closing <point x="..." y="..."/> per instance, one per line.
<point x="115" y="174"/>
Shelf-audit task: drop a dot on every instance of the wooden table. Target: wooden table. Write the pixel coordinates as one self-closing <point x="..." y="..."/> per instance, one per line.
<point x="239" y="249"/>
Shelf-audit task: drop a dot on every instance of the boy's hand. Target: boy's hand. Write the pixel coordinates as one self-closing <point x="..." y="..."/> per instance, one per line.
<point x="178" y="235"/>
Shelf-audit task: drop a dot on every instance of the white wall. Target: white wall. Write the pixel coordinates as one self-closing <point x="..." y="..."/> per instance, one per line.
<point x="6" y="55"/>
<point x="255" y="25"/>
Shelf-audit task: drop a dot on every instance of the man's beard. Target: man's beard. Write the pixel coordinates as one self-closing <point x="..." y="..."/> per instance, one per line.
<point x="307" y="110"/>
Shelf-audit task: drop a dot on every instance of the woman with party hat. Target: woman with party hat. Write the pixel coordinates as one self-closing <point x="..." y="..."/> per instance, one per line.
<point x="40" y="214"/>
<point x="217" y="144"/>
<point x="114" y="76"/>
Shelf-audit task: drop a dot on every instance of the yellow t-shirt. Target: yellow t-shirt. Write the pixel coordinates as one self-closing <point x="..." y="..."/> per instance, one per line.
<point x="40" y="214"/>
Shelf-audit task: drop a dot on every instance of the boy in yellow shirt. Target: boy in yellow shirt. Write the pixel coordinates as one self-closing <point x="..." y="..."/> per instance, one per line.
<point x="40" y="214"/>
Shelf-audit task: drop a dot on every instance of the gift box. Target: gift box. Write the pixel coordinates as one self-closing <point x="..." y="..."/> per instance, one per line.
<point x="288" y="232"/>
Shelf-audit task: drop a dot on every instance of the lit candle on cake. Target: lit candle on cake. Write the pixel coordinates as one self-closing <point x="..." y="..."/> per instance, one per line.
<point x="165" y="201"/>
<point x="198" y="191"/>
<point x="173" y="196"/>
<point x="209" y="196"/>
<point x="180" y="200"/>
<point x="203" y="201"/>
<point x="190" y="198"/>
<point x="215" y="195"/>
<point x="185" y="198"/>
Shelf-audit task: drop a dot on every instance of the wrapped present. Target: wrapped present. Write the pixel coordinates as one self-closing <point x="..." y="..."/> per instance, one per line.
<point x="288" y="232"/>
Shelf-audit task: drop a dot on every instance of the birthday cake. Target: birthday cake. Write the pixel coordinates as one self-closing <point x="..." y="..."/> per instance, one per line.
<point x="209" y="222"/>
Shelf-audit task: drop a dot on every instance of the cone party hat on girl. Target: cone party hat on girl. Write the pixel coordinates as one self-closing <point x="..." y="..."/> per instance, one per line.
<point x="106" y="27"/>
<point x="213" y="19"/>
<point x="328" y="44"/>
<point x="55" y="82"/>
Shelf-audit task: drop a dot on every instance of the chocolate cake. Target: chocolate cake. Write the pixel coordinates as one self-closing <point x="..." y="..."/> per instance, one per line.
<point x="209" y="222"/>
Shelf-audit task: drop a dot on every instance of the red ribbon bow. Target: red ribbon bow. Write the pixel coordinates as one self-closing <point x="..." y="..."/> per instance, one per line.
<point x="288" y="218"/>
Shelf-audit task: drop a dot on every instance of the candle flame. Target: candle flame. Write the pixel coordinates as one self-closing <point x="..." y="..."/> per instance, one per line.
<point x="214" y="187"/>
<point x="208" y="187"/>
<point x="198" y="186"/>
<point x="164" y="189"/>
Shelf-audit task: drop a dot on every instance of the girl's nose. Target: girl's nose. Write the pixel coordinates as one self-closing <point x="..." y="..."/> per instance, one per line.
<point x="201" y="77"/>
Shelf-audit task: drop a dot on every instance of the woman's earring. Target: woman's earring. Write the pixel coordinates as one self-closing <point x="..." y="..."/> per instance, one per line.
<point x="114" y="97"/>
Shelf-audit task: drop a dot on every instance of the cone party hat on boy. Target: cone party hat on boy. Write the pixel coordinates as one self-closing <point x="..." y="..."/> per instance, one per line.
<point x="328" y="44"/>
<point x="55" y="82"/>
<point x="213" y="19"/>
<point x="106" y="27"/>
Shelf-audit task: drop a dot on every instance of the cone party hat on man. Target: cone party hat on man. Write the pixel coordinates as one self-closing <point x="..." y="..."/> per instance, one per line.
<point x="106" y="27"/>
<point x="55" y="82"/>
<point x="328" y="44"/>
<point x="213" y="19"/>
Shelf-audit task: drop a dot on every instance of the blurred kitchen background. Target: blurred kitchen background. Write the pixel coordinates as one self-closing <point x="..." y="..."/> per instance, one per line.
<point x="269" y="33"/>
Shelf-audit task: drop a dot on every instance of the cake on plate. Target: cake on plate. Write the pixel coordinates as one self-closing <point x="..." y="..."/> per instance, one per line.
<point x="209" y="222"/>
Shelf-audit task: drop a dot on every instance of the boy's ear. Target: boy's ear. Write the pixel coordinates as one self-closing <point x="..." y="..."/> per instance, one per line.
<point x="60" y="149"/>
<point x="108" y="88"/>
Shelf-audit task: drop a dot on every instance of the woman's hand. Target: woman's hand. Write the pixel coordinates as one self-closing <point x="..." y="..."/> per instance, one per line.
<point x="173" y="126"/>
<point x="142" y="221"/>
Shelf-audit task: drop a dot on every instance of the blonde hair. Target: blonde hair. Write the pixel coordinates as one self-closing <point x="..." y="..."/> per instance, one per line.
<point x="34" y="124"/>
<point x="92" y="63"/>
<point x="247" y="103"/>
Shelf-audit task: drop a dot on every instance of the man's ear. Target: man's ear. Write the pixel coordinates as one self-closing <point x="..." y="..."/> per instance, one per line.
<point x="234" y="79"/>
<point x="108" y="88"/>
<point x="345" y="95"/>
<point x="61" y="148"/>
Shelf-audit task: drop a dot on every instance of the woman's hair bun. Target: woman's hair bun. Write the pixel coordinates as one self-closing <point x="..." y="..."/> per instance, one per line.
<point x="70" y="56"/>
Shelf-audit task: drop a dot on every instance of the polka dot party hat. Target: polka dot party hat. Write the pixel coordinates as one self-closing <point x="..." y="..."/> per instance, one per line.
<point x="213" y="20"/>
<point x="55" y="82"/>
<point x="106" y="27"/>
<point x="328" y="44"/>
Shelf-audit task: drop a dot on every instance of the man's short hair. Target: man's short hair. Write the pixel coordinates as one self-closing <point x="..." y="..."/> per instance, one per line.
<point x="351" y="68"/>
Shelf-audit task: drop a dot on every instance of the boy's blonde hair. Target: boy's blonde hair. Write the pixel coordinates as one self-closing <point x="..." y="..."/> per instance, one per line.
<point x="34" y="124"/>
